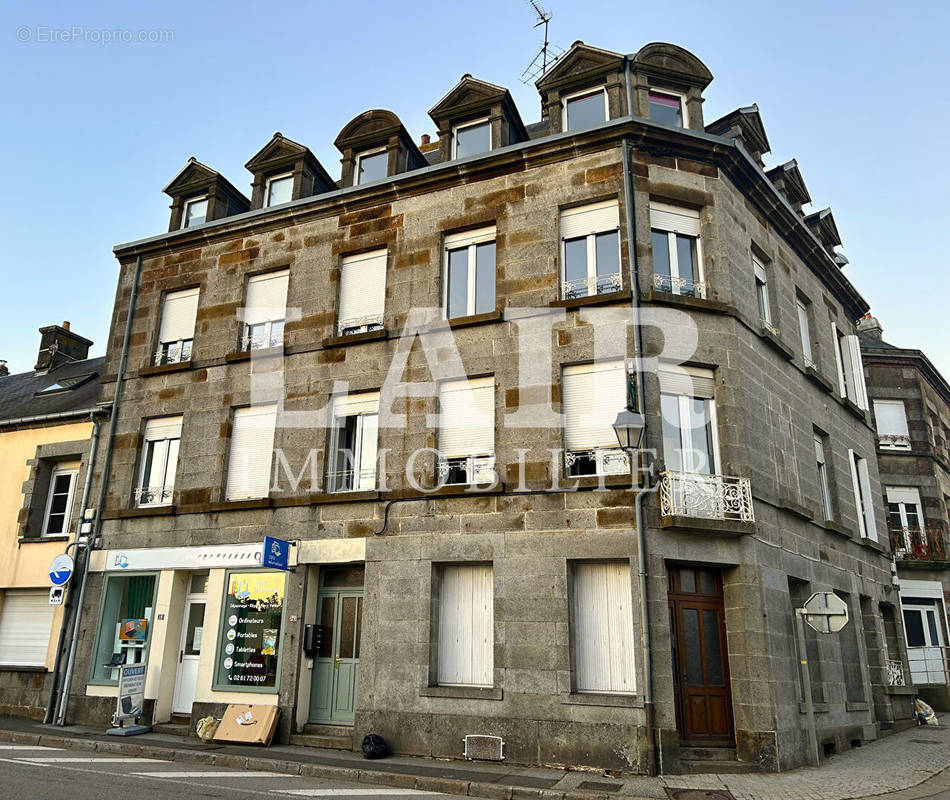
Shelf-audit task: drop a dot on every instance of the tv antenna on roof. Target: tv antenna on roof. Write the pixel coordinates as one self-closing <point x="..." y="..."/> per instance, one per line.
<point x="548" y="53"/>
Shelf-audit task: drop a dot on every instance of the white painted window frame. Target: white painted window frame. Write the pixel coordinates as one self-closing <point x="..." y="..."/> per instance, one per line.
<point x="686" y="443"/>
<point x="472" y="124"/>
<point x="590" y="240"/>
<point x="762" y="291"/>
<point x="700" y="279"/>
<point x="273" y="179"/>
<point x="359" y="159"/>
<point x="804" y="331"/>
<point x="73" y="473"/>
<point x="470" y="241"/>
<point x="150" y="440"/>
<point x="837" y="338"/>
<point x="579" y="95"/>
<point x="681" y="96"/>
<point x="824" y="485"/>
<point x="863" y="499"/>
<point x="343" y="407"/>
<point x="893" y="445"/>
<point x="911" y="497"/>
<point x="190" y="202"/>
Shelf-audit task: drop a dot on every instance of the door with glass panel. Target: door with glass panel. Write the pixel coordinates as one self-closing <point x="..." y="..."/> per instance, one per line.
<point x="700" y="658"/>
<point x="335" y="679"/>
<point x="189" y="651"/>
<point x="923" y="628"/>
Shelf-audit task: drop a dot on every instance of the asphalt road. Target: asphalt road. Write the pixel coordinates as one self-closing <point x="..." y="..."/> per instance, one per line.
<point x="28" y="772"/>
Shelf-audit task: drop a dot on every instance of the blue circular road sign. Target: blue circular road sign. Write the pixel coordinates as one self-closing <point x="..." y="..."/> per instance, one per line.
<point x="61" y="570"/>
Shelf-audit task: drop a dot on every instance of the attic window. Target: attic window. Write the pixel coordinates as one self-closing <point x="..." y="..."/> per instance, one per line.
<point x="472" y="138"/>
<point x="65" y="384"/>
<point x="372" y="166"/>
<point x="279" y="189"/>
<point x="667" y="108"/>
<point x="196" y="212"/>
<point x="585" y="109"/>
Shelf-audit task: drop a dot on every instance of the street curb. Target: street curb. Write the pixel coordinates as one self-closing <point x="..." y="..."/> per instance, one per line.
<point x="400" y="780"/>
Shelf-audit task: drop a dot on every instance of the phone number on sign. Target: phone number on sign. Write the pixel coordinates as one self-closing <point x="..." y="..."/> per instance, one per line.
<point x="247" y="678"/>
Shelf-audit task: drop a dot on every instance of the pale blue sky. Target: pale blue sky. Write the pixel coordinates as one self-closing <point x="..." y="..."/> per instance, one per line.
<point x="93" y="130"/>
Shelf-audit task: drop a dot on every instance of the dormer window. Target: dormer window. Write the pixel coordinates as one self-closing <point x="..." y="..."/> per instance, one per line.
<point x="471" y="138"/>
<point x="195" y="213"/>
<point x="372" y="166"/>
<point x="279" y="189"/>
<point x="585" y="109"/>
<point x="668" y="108"/>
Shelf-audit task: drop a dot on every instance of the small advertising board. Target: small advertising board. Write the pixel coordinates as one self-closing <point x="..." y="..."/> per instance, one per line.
<point x="130" y="700"/>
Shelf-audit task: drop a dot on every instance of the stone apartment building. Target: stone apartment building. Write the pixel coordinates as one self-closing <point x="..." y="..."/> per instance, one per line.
<point x="47" y="416"/>
<point x="412" y="374"/>
<point x="910" y="400"/>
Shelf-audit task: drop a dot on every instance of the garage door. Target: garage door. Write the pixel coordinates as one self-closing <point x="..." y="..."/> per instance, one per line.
<point x="26" y="619"/>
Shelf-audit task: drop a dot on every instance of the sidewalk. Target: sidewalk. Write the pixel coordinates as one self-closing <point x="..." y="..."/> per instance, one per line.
<point x="894" y="763"/>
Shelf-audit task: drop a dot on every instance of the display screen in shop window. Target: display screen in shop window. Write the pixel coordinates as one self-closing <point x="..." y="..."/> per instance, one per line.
<point x="250" y="627"/>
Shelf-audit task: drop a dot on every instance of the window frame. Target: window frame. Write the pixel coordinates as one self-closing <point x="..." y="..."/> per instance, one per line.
<point x="162" y="356"/>
<point x="699" y="282"/>
<point x="140" y="484"/>
<point x="580" y="94"/>
<point x="590" y="243"/>
<point x="824" y="483"/>
<point x="902" y="504"/>
<point x="472" y="124"/>
<point x="473" y="461"/>
<point x="271" y="409"/>
<point x="340" y="403"/>
<point x="108" y="578"/>
<point x="359" y="159"/>
<point x="203" y="198"/>
<point x="602" y="455"/>
<point x="894" y="444"/>
<point x="863" y="497"/>
<point x="471" y="241"/>
<point x="73" y="473"/>
<point x="246" y="343"/>
<point x="804" y="331"/>
<point x="681" y="96"/>
<point x="762" y="294"/>
<point x="268" y="185"/>
<point x="838" y="338"/>
<point x="442" y="618"/>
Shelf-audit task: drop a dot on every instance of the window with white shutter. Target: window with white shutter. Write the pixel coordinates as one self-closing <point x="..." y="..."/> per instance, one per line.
<point x="252" y="450"/>
<point x="891" y="419"/>
<point x="762" y="292"/>
<point x="837" y="337"/>
<point x="353" y="447"/>
<point x="824" y="483"/>
<point x="854" y="370"/>
<point x="804" y="330"/>
<point x="677" y="250"/>
<point x="591" y="397"/>
<point x="362" y="293"/>
<point x="602" y="628"/>
<point x="265" y="309"/>
<point x="468" y="285"/>
<point x="26" y="621"/>
<point x="59" y="500"/>
<point x="467" y="431"/>
<point x="863" y="499"/>
<point x="690" y="440"/>
<point x="590" y="250"/>
<point x="159" y="462"/>
<point x="466" y="626"/>
<point x="176" y="332"/>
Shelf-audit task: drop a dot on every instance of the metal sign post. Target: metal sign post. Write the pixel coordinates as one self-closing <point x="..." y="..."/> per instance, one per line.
<point x="824" y="612"/>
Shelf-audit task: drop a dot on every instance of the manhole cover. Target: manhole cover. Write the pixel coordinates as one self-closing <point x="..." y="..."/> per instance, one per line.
<point x="698" y="794"/>
<point x="599" y="786"/>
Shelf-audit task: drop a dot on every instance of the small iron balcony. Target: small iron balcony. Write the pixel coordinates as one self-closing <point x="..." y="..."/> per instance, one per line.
<point x="719" y="497"/>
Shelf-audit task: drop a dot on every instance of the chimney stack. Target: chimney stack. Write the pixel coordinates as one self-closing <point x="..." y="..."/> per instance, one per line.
<point x="59" y="345"/>
<point x="4" y="370"/>
<point x="426" y="139"/>
<point x="870" y="326"/>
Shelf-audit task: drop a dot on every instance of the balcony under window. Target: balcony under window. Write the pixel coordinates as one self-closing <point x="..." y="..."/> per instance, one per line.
<point x="918" y="545"/>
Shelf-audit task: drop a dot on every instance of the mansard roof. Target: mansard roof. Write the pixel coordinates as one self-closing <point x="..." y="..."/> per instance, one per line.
<point x="579" y="64"/>
<point x="791" y="178"/>
<point x="747" y="123"/>
<point x="822" y="224"/>
<point x="195" y="177"/>
<point x="670" y="60"/>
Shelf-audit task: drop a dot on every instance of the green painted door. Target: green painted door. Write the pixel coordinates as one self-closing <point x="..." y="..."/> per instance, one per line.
<point x="337" y="665"/>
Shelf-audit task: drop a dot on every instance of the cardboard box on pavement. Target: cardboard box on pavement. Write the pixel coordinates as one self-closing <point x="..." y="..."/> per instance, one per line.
<point x="247" y="724"/>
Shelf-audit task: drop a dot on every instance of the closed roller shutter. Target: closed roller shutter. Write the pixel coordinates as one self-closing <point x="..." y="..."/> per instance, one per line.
<point x="592" y="395"/>
<point x="585" y="220"/>
<point x="466" y="624"/>
<point x="252" y="450"/>
<point x="665" y="217"/>
<point x="26" y="620"/>
<point x="266" y="297"/>
<point x="467" y="421"/>
<point x="179" y="310"/>
<point x="363" y="286"/>
<point x="687" y="381"/>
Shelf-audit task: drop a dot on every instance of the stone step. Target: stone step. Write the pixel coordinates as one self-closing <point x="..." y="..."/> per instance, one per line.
<point x="708" y="753"/>
<point x="324" y="742"/>
<point x="174" y="728"/>
<point x="716" y="767"/>
<point x="328" y="730"/>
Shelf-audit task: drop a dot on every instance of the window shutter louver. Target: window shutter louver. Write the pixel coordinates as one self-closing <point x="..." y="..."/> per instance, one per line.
<point x="252" y="450"/>
<point x="857" y="390"/>
<point x="891" y="418"/>
<point x="179" y="310"/>
<point x="163" y="428"/>
<point x="688" y="381"/>
<point x="603" y="628"/>
<point x="26" y="619"/>
<point x="266" y="297"/>
<point x="665" y="217"/>
<point x="839" y="362"/>
<point x="585" y="220"/>
<point x="592" y="395"/>
<point x="467" y="421"/>
<point x="363" y="286"/>
<point x="869" y="519"/>
<point x="466" y="621"/>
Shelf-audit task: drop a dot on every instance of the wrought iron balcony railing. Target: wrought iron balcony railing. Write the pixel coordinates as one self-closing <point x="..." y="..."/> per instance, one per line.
<point x="682" y="286"/>
<point x="918" y="544"/>
<point x="606" y="461"/>
<point x="352" y="480"/>
<point x="690" y="494"/>
<point x="588" y="287"/>
<point x="895" y="673"/>
<point x="354" y="325"/>
<point x="929" y="664"/>
<point x="154" y="495"/>
<point x="262" y="335"/>
<point x="893" y="441"/>
<point x="470" y="470"/>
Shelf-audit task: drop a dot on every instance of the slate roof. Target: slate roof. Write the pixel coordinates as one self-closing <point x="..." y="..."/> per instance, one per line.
<point x="69" y="387"/>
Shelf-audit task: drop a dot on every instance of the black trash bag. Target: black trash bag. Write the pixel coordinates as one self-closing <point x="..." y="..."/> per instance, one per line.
<point x="374" y="746"/>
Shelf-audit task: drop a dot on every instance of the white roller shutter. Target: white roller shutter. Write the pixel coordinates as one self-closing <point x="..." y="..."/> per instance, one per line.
<point x="179" y="310"/>
<point x="585" y="220"/>
<point x="665" y="217"/>
<point x="857" y="390"/>
<point x="602" y="628"/>
<point x="363" y="286"/>
<point x="897" y="494"/>
<point x="163" y="428"/>
<point x="465" y="238"/>
<point x="252" y="450"/>
<point x="466" y="623"/>
<point x="26" y="620"/>
<point x="467" y="417"/>
<point x="266" y="297"/>
<point x="364" y="403"/>
<point x="891" y="418"/>
<point x="687" y="381"/>
<point x="592" y="395"/>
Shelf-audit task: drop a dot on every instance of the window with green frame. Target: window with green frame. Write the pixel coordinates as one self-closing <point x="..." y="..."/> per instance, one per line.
<point x="125" y="625"/>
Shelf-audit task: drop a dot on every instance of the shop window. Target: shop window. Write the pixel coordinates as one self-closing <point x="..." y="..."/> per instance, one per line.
<point x="125" y="625"/>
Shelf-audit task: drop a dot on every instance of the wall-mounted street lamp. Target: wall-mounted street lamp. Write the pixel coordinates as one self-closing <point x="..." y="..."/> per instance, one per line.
<point x="629" y="428"/>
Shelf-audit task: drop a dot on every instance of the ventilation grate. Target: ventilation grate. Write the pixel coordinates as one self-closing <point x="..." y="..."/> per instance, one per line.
<point x="484" y="748"/>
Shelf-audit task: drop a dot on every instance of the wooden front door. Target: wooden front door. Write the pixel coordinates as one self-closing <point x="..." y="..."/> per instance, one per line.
<point x="700" y="663"/>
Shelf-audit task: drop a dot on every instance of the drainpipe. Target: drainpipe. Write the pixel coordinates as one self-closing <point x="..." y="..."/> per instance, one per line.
<point x="90" y="467"/>
<point x="63" y="701"/>
<point x="643" y="572"/>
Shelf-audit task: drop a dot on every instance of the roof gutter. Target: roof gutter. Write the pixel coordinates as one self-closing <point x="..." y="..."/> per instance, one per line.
<point x="55" y="416"/>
